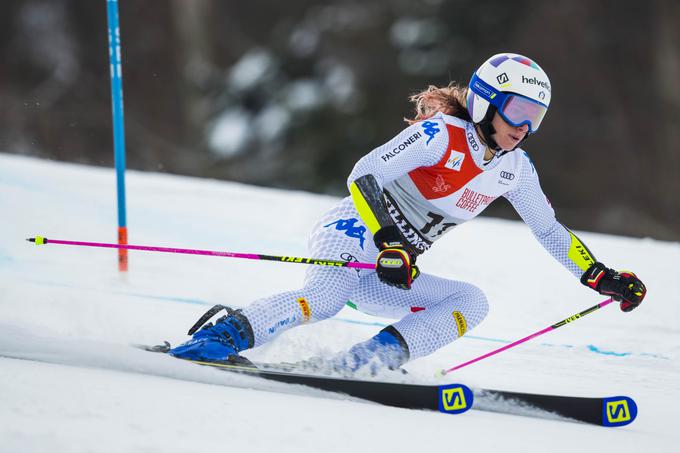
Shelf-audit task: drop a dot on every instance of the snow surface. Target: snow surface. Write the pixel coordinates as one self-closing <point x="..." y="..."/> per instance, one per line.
<point x="69" y="382"/>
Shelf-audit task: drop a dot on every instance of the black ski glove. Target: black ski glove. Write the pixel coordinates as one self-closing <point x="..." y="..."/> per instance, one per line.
<point x="623" y="286"/>
<point x="395" y="265"/>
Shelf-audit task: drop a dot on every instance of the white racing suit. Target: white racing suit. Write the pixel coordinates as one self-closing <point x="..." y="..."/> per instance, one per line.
<point x="433" y="177"/>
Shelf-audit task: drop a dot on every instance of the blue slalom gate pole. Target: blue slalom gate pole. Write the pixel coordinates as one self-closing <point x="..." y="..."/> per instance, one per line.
<point x="116" y="67"/>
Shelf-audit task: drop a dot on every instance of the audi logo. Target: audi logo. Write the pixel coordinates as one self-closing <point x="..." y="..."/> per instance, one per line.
<point x="348" y="257"/>
<point x="507" y="175"/>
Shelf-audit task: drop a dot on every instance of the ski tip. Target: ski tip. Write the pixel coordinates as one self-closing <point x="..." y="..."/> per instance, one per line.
<point x="618" y="411"/>
<point x="455" y="398"/>
<point x="38" y="240"/>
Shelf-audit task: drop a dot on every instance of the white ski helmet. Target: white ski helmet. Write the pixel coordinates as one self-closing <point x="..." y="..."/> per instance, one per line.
<point x="512" y="85"/>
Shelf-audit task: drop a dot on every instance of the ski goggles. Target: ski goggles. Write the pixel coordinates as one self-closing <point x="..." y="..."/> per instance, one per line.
<point x="515" y="109"/>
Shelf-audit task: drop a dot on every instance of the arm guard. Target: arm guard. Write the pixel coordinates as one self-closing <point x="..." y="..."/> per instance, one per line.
<point x="370" y="203"/>
<point x="579" y="253"/>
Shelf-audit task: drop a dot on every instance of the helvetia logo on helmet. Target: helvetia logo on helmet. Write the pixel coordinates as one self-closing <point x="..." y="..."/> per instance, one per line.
<point x="535" y="81"/>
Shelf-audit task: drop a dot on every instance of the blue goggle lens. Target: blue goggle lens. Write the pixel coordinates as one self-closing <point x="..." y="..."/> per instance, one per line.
<point x="515" y="109"/>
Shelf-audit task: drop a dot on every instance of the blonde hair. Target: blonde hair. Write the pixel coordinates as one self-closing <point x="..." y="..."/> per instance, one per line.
<point x="449" y="100"/>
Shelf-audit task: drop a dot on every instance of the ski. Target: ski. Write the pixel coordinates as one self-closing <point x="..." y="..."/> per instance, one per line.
<point x="452" y="398"/>
<point x="609" y="411"/>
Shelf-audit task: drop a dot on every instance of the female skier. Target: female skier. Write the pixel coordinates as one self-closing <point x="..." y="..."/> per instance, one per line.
<point x="459" y="154"/>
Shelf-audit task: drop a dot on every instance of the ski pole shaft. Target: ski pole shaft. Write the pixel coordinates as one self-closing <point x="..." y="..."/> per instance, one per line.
<point x="532" y="336"/>
<point x="39" y="240"/>
<point x="116" y="64"/>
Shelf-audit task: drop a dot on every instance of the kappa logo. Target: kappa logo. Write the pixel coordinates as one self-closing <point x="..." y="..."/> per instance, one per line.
<point x="350" y="229"/>
<point x="430" y="129"/>
<point x="455" y="160"/>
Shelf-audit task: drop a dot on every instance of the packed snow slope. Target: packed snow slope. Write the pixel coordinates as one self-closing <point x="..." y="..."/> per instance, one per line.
<point x="70" y="382"/>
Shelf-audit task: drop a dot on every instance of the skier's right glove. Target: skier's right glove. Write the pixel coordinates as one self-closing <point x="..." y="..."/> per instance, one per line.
<point x="623" y="286"/>
<point x="395" y="265"/>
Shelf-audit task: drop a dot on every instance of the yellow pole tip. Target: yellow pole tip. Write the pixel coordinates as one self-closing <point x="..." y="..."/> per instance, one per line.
<point x="39" y="240"/>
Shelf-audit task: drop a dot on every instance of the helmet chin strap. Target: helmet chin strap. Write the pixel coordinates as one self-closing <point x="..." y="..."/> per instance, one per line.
<point x="487" y="130"/>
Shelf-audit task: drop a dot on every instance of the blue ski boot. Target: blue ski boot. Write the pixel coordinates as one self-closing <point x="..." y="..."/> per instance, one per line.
<point x="221" y="342"/>
<point x="386" y="350"/>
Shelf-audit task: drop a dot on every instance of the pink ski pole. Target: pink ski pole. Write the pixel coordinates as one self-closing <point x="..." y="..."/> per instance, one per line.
<point x="533" y="335"/>
<point x="39" y="240"/>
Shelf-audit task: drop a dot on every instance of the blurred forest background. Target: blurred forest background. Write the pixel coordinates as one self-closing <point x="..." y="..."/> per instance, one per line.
<point x="291" y="93"/>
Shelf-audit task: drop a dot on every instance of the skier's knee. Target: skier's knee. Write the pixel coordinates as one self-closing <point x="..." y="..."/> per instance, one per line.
<point x="480" y="302"/>
<point x="324" y="308"/>
<point x="472" y="303"/>
<point x="328" y="295"/>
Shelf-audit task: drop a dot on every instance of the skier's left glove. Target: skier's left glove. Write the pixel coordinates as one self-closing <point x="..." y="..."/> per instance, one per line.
<point x="622" y="286"/>
<point x="395" y="265"/>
